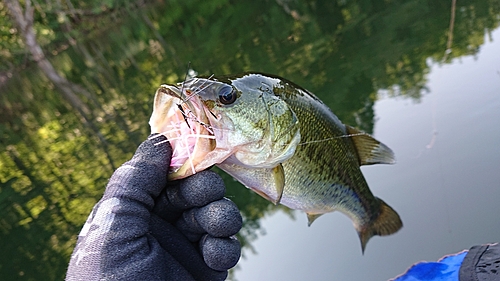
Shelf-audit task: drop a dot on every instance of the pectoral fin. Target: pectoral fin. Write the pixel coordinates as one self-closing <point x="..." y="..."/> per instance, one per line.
<point x="370" y="151"/>
<point x="279" y="181"/>
<point x="267" y="182"/>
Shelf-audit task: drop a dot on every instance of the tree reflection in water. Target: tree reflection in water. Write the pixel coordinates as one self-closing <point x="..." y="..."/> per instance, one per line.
<point x="55" y="162"/>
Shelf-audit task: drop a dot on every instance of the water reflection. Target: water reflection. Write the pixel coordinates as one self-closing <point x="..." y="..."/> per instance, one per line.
<point x="54" y="165"/>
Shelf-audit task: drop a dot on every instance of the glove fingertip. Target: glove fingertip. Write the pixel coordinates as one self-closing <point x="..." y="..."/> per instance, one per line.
<point x="220" y="253"/>
<point x="220" y="218"/>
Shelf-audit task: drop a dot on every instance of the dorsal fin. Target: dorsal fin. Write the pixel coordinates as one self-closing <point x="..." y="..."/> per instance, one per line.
<point x="370" y="151"/>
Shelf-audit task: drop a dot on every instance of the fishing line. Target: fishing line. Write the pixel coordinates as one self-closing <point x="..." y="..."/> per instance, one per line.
<point x="164" y="132"/>
<point x="193" y="136"/>
<point x="332" y="138"/>
<point x="179" y="106"/>
<point x="193" y="116"/>
<point x="185" y="78"/>
<point x="199" y="89"/>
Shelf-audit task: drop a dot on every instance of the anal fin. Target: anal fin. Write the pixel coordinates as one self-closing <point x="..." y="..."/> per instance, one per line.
<point x="267" y="182"/>
<point x="311" y="218"/>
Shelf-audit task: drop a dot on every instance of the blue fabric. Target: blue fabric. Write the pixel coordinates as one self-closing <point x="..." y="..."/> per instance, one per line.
<point x="445" y="269"/>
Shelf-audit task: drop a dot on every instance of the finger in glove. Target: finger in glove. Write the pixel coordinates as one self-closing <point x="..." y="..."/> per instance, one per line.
<point x="197" y="190"/>
<point x="219" y="219"/>
<point x="194" y="191"/>
<point x="184" y="252"/>
<point x="220" y="253"/>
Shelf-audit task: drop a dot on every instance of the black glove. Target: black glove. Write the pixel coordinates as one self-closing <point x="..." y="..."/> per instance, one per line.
<point x="141" y="230"/>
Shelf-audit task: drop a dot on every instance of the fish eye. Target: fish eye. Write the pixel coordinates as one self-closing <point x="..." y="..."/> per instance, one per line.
<point x="227" y="95"/>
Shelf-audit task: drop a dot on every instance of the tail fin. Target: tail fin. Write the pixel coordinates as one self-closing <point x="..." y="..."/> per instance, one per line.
<point x="387" y="223"/>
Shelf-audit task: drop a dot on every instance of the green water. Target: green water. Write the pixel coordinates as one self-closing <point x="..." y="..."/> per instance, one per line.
<point x="379" y="66"/>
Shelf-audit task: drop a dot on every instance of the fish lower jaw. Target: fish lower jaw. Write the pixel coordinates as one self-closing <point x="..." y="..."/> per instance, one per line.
<point x="183" y="126"/>
<point x="190" y="143"/>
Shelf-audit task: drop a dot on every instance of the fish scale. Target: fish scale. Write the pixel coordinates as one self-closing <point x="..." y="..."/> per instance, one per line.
<point x="330" y="161"/>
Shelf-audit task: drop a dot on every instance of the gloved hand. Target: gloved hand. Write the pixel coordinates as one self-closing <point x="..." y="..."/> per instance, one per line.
<point x="147" y="229"/>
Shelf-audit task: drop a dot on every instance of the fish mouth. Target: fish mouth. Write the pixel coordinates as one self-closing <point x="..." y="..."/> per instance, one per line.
<point x="179" y="115"/>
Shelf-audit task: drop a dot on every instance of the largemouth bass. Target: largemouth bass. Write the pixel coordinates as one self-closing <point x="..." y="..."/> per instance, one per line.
<point x="277" y="139"/>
